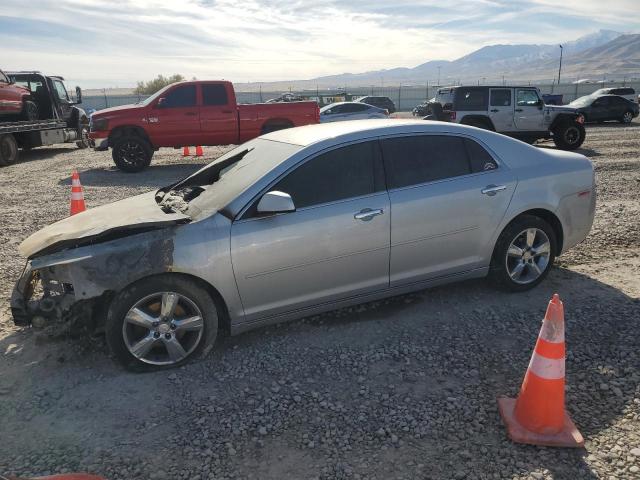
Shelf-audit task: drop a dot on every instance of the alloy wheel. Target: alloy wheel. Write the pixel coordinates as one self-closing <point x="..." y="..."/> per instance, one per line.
<point x="133" y="153"/>
<point x="627" y="117"/>
<point x="571" y="135"/>
<point x="528" y="256"/>
<point x="163" y="328"/>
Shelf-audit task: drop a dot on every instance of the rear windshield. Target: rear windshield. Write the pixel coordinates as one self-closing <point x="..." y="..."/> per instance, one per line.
<point x="471" y="99"/>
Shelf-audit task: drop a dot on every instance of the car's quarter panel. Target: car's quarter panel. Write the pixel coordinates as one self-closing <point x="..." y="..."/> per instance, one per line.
<point x="313" y="255"/>
<point x="444" y="227"/>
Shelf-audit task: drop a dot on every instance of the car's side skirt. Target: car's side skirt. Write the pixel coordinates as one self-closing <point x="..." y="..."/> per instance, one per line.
<point x="358" y="299"/>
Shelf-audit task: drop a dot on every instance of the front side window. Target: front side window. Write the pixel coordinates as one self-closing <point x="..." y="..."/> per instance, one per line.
<point x="420" y="159"/>
<point x="527" y="98"/>
<point x="500" y="98"/>
<point x="184" y="96"/>
<point x="60" y="90"/>
<point x="214" y="94"/>
<point x="345" y="172"/>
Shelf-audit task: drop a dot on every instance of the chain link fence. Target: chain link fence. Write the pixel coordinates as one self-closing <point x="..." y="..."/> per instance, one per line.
<point x="405" y="97"/>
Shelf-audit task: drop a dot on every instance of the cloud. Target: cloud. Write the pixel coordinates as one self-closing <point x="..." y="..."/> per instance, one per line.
<point x="102" y="43"/>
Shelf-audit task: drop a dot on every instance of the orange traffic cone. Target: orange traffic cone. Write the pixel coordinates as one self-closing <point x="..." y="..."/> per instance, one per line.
<point x="77" y="197"/>
<point x="538" y="416"/>
<point x="199" y="151"/>
<point x="185" y="151"/>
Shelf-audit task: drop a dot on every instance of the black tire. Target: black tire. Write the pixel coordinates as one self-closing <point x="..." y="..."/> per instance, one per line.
<point x="148" y="287"/>
<point x="274" y="127"/>
<point x="84" y="138"/>
<point x="569" y="135"/>
<point x="8" y="150"/>
<point x="131" y="153"/>
<point x="30" y="111"/>
<point x="627" y="117"/>
<point x="502" y="262"/>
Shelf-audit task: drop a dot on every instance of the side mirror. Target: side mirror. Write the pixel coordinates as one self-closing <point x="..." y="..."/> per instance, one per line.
<point x="78" y="95"/>
<point x="276" y="202"/>
<point x="160" y="103"/>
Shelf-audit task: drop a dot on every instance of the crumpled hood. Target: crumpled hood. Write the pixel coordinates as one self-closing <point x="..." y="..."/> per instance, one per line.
<point x="132" y="214"/>
<point x="560" y="109"/>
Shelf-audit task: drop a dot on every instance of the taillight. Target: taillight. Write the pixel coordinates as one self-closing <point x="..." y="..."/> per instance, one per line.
<point x="452" y="115"/>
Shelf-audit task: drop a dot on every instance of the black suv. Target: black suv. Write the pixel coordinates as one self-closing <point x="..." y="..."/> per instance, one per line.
<point x="380" y="102"/>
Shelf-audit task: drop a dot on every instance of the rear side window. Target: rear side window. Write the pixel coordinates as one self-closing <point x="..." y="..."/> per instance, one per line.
<point x="421" y="159"/>
<point x="184" y="96"/>
<point x="214" y="94"/>
<point x="478" y="157"/>
<point x="346" y="172"/>
<point x="471" y="99"/>
<point x="500" y="98"/>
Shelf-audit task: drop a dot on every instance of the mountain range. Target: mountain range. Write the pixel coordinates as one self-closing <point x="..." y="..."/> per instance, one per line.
<point x="605" y="52"/>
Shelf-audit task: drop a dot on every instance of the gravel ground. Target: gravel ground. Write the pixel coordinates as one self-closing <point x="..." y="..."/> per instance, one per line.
<point x="404" y="388"/>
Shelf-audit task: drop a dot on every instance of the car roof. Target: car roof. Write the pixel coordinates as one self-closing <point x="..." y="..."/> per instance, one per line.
<point x="360" y="129"/>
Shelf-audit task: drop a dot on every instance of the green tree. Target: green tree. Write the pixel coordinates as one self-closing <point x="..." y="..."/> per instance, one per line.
<point x="152" y="86"/>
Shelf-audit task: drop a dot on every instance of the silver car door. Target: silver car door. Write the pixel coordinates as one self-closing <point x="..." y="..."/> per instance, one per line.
<point x="447" y="198"/>
<point x="335" y="245"/>
<point x="501" y="109"/>
<point x="528" y="115"/>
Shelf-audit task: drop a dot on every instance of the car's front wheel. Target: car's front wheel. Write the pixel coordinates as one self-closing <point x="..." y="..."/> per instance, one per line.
<point x="161" y="322"/>
<point x="131" y="153"/>
<point x="569" y="135"/>
<point x="523" y="254"/>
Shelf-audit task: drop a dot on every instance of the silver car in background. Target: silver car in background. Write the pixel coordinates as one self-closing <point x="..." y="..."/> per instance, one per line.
<point x="302" y="221"/>
<point x="341" y="111"/>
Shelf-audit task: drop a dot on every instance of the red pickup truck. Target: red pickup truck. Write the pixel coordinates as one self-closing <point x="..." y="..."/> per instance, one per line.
<point x="189" y="113"/>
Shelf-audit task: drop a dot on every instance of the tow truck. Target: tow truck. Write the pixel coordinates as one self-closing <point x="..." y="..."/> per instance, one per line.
<point x="58" y="120"/>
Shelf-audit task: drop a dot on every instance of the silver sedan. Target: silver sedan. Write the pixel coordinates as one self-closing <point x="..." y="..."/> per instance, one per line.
<point x="341" y="111"/>
<point x="302" y="221"/>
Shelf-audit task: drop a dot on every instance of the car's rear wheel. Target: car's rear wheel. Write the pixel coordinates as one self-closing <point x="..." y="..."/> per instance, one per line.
<point x="161" y="322"/>
<point x="523" y="254"/>
<point x="131" y="153"/>
<point x="627" y="117"/>
<point x="569" y="135"/>
<point x="8" y="150"/>
<point x="30" y="111"/>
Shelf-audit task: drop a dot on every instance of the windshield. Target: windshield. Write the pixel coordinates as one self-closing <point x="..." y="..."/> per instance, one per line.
<point x="151" y="98"/>
<point x="217" y="184"/>
<point x="582" y="101"/>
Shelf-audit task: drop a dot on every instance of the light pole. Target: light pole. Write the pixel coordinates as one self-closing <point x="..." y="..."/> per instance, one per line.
<point x="439" y="75"/>
<point x="560" y="66"/>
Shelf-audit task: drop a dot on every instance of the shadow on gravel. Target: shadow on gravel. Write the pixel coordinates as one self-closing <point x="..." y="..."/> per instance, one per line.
<point x="43" y="153"/>
<point x="439" y="357"/>
<point x="588" y="152"/>
<point x="152" y="176"/>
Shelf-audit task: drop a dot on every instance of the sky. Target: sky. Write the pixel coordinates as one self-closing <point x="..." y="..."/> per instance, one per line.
<point x="95" y="43"/>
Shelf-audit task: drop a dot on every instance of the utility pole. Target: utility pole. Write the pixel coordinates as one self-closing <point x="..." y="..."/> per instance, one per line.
<point x="439" y="75"/>
<point x="560" y="66"/>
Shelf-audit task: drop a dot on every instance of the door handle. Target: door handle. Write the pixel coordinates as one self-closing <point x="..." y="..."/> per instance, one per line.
<point x="495" y="110"/>
<point x="491" y="190"/>
<point x="191" y="114"/>
<point x="518" y="109"/>
<point x="367" y="214"/>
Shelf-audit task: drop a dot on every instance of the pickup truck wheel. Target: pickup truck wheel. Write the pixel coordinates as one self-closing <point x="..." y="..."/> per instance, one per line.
<point x="8" y="150"/>
<point x="30" y="111"/>
<point x="84" y="138"/>
<point x="161" y="322"/>
<point x="131" y="153"/>
<point x="523" y="254"/>
<point x="627" y="117"/>
<point x="569" y="135"/>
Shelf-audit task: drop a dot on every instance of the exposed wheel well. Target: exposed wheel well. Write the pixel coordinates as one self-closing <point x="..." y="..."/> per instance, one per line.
<point x="127" y="130"/>
<point x="224" y="321"/>
<point x="478" y="119"/>
<point x="551" y="219"/>
<point x="274" y="124"/>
